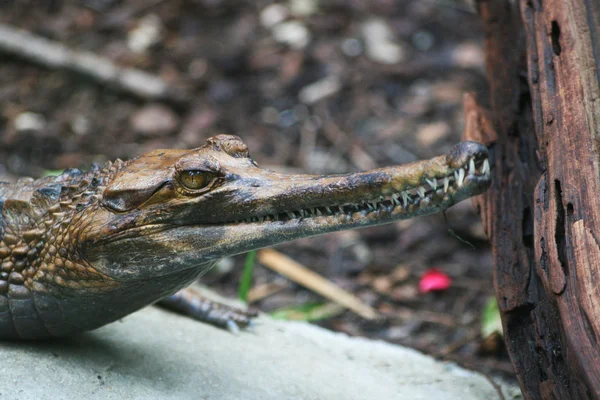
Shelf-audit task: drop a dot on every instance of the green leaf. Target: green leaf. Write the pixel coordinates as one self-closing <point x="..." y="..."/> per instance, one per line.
<point x="308" y="312"/>
<point x="490" y="318"/>
<point x="246" y="280"/>
<point x="51" y="172"/>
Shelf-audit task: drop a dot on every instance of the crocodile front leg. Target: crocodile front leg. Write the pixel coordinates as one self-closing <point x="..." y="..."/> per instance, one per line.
<point x="190" y="303"/>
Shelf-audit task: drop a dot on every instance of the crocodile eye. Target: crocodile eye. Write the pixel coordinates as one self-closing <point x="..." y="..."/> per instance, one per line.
<point x="195" y="180"/>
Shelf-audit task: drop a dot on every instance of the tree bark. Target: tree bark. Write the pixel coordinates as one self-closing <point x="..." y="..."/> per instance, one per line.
<point x="542" y="213"/>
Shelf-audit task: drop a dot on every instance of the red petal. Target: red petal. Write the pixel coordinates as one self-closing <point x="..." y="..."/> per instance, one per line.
<point x="434" y="280"/>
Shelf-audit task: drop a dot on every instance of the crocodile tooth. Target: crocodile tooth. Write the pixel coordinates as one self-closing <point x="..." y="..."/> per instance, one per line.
<point x="456" y="176"/>
<point x="446" y="184"/>
<point x="290" y="215"/>
<point x="421" y="191"/>
<point x="486" y="167"/>
<point x="328" y="210"/>
<point x="432" y="183"/>
<point x="319" y="213"/>
<point x="405" y="199"/>
<point x="461" y="177"/>
<point x="471" y="167"/>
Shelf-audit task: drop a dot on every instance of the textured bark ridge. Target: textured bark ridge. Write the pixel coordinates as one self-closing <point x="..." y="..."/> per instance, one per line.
<point x="542" y="213"/>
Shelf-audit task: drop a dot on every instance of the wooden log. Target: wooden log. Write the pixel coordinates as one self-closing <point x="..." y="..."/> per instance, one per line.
<point x="542" y="213"/>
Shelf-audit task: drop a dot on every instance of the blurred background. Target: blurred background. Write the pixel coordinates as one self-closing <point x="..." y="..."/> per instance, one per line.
<point x="316" y="86"/>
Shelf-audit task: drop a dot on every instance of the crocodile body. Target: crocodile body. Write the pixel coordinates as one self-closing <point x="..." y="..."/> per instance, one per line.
<point x="83" y="249"/>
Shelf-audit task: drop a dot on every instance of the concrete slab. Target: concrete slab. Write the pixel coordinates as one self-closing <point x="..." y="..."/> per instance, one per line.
<point x="154" y="354"/>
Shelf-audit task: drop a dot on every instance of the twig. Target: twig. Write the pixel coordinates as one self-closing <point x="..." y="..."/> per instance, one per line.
<point x="344" y="146"/>
<point x="307" y="278"/>
<point x="452" y="347"/>
<point x="53" y="54"/>
<point x="118" y="16"/>
<point x="260" y="292"/>
<point x="492" y="382"/>
<point x="474" y="365"/>
<point x="406" y="313"/>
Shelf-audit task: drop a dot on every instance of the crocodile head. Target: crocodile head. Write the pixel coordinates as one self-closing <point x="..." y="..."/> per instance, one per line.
<point x="170" y="211"/>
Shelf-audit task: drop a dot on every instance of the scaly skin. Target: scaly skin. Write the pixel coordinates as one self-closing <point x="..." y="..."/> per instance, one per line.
<point x="81" y="250"/>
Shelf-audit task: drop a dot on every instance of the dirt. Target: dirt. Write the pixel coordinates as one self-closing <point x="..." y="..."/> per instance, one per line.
<point x="310" y="85"/>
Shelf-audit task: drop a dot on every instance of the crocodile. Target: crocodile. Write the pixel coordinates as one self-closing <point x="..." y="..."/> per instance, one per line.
<point x="83" y="249"/>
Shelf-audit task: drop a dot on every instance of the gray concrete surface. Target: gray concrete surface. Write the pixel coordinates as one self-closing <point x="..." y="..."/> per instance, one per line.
<point x="154" y="354"/>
